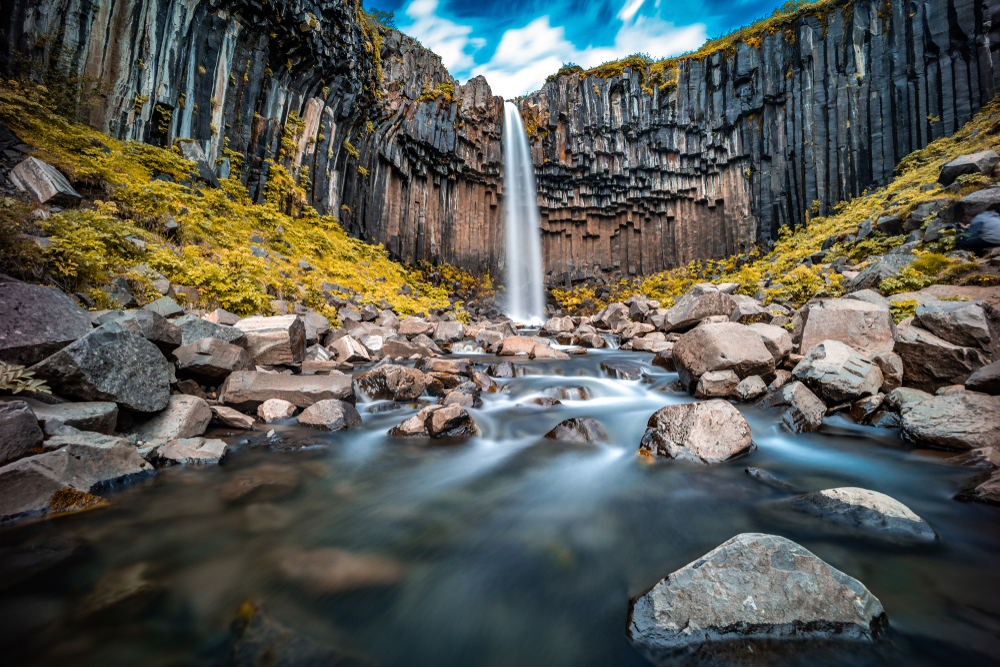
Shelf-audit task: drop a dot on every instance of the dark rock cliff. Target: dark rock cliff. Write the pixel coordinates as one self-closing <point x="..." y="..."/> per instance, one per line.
<point x="631" y="180"/>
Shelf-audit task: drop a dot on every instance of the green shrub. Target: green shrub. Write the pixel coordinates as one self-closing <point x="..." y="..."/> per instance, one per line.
<point x="903" y="309"/>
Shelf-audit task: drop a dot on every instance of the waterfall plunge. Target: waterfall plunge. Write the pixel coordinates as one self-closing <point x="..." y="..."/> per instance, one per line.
<point x="525" y="289"/>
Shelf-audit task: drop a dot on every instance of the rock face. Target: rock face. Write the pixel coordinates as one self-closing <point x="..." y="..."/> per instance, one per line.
<point x="708" y="432"/>
<point x="661" y="172"/>
<point x="875" y="512"/>
<point x="246" y="390"/>
<point x="720" y="347"/>
<point x="959" y="421"/>
<point x="36" y="322"/>
<point x="19" y="430"/>
<point x="774" y="590"/>
<point x="110" y="364"/>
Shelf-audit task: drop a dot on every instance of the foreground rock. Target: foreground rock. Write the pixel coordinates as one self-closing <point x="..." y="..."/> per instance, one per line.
<point x="930" y="362"/>
<point x="960" y="421"/>
<point x="985" y="380"/>
<point x="19" y="430"/>
<point x="275" y="410"/>
<point x="579" y="430"/>
<point x="753" y="587"/>
<point x="110" y="364"/>
<point x="231" y="418"/>
<point x="437" y="421"/>
<point x="708" y="432"/>
<point x="984" y="489"/>
<point x="36" y="322"/>
<point x="96" y="416"/>
<point x="192" y="451"/>
<point x="210" y="361"/>
<point x="244" y="390"/>
<point x="330" y="415"/>
<point x="275" y="340"/>
<point x="852" y="507"/>
<point x="801" y="410"/>
<point x="720" y="347"/>
<point x="837" y="373"/>
<point x="184" y="417"/>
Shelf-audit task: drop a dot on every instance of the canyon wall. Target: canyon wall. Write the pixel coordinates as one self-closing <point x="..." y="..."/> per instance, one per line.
<point x="633" y="177"/>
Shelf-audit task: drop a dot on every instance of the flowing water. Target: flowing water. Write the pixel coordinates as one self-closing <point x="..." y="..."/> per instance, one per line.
<point x="517" y="550"/>
<point x="525" y="289"/>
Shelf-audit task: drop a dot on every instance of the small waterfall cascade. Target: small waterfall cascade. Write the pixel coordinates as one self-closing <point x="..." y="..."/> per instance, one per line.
<point x="525" y="287"/>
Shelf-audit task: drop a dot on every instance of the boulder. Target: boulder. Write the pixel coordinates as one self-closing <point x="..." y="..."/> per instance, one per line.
<point x="579" y="430"/>
<point x="871" y="511"/>
<point x="276" y="410"/>
<point x="194" y="328"/>
<point x="708" y="432"/>
<point x="94" y="416"/>
<point x="962" y="323"/>
<point x="592" y="340"/>
<point x="153" y="327"/>
<point x="210" y="361"/>
<point x="891" y="366"/>
<point x="612" y="317"/>
<point x="543" y="351"/>
<point x="986" y="380"/>
<point x="902" y="399"/>
<point x="930" y="362"/>
<point x="665" y="359"/>
<point x="222" y="316"/>
<point x="275" y="340"/>
<point x="801" y="410"/>
<point x="720" y="347"/>
<point x="398" y="349"/>
<point x="19" y="430"/>
<point x="448" y="332"/>
<point x="165" y="307"/>
<point x="36" y="322"/>
<point x="316" y="327"/>
<point x="437" y="421"/>
<point x="749" y="310"/>
<point x="777" y="341"/>
<point x="330" y="415"/>
<point x="192" y="451"/>
<point x="415" y="326"/>
<point x="974" y="163"/>
<point x="504" y="369"/>
<point x="717" y="384"/>
<point x="558" y="325"/>
<point x="453" y="366"/>
<point x="43" y="182"/>
<point x="231" y="418"/>
<point x="394" y="383"/>
<point x="516" y="345"/>
<point x="465" y="394"/>
<point x="837" y="373"/>
<point x="245" y="390"/>
<point x="695" y="306"/>
<point x="869" y="296"/>
<point x="750" y="389"/>
<point x="985" y="489"/>
<point x="980" y="201"/>
<point x="754" y="587"/>
<point x="878" y="269"/>
<point x="960" y="421"/>
<point x="864" y="326"/>
<point x="110" y="364"/>
<point x="184" y="417"/>
<point x="346" y="348"/>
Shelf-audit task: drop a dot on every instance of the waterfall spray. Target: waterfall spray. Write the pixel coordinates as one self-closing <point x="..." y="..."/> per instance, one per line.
<point x="525" y="288"/>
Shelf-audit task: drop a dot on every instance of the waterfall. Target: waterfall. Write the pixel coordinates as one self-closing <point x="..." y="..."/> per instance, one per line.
<point x="525" y="288"/>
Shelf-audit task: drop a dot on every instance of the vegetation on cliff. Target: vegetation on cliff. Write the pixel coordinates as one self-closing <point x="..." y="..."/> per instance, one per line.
<point x="786" y="273"/>
<point x="134" y="192"/>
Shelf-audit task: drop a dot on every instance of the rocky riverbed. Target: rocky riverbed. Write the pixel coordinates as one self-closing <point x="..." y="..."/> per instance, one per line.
<point x="205" y="489"/>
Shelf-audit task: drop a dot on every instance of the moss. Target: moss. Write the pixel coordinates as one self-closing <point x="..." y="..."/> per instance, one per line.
<point x="71" y="500"/>
<point x="443" y="91"/>
<point x="902" y="310"/>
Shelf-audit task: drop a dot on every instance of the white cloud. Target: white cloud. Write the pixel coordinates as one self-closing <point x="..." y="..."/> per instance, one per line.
<point x="446" y="38"/>
<point x="629" y="9"/>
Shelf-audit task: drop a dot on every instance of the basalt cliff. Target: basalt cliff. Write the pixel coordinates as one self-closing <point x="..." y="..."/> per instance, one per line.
<point x="635" y="174"/>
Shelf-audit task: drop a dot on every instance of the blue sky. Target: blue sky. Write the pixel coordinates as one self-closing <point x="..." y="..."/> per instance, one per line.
<point x="515" y="44"/>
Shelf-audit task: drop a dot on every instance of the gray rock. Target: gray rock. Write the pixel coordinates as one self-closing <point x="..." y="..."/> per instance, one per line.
<point x="210" y="361"/>
<point x="695" y="306"/>
<point x="974" y="163"/>
<point x="395" y="383"/>
<point x="151" y="326"/>
<point x="184" y="417"/>
<point x="465" y="394"/>
<point x="717" y="384"/>
<point x="95" y="416"/>
<point x="984" y="489"/>
<point x="902" y="399"/>
<point x="753" y="587"/>
<point x="191" y="150"/>
<point x="44" y="182"/>
<point x="245" y="390"/>
<point x="19" y="430"/>
<point x="231" y="418"/>
<point x="886" y="266"/>
<point x="961" y="323"/>
<point x="777" y="341"/>
<point x="578" y="430"/>
<point x="223" y="317"/>
<point x="960" y="421"/>
<point x="864" y="326"/>
<point x="504" y="369"/>
<point x="192" y="451"/>
<point x="194" y="328"/>
<point x="889" y="225"/>
<point x="930" y="363"/>
<point x="437" y="421"/>
<point x="165" y="307"/>
<point x="275" y="340"/>
<point x="875" y="512"/>
<point x="837" y="373"/>
<point x="891" y="366"/>
<point x="987" y="199"/>
<point x="110" y="364"/>
<point x="720" y="347"/>
<point x="870" y="296"/>
<point x="330" y="415"/>
<point x="558" y="325"/>
<point x="801" y="410"/>
<point x="448" y="332"/>
<point x="275" y="410"/>
<point x="707" y="432"/>
<point x="346" y="348"/>
<point x="986" y="380"/>
<point x="36" y="322"/>
<point x="751" y="388"/>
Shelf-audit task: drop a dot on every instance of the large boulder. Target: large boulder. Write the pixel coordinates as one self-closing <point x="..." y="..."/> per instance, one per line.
<point x="184" y="417"/>
<point x="962" y="323"/>
<point x="866" y="327"/>
<point x="875" y="512"/>
<point x="973" y="163"/>
<point x="95" y="416"/>
<point x="194" y="328"/>
<point x="330" y="415"/>
<point x="986" y="380"/>
<point x="210" y="361"/>
<point x="960" y="421"/>
<point x="980" y="201"/>
<point x="448" y="332"/>
<point x="516" y="345"/>
<point x="707" y="432"/>
<point x="878" y="269"/>
<point x="19" y="430"/>
<point x="36" y="322"/>
<point x="394" y="383"/>
<point x="153" y="327"/>
<point x="801" y="411"/>
<point x="558" y="325"/>
<point x="720" y="347"/>
<point x="44" y="182"/>
<point x="749" y="310"/>
<point x="612" y="317"/>
<point x="754" y="587"/>
<point x="930" y="362"/>
<point x="316" y="327"/>
<point x="437" y="421"/>
<point x="837" y="373"/>
<point x="700" y="302"/>
<point x="777" y="341"/>
<point x="245" y="390"/>
<point x="275" y="340"/>
<point x="110" y="364"/>
<point x="347" y="348"/>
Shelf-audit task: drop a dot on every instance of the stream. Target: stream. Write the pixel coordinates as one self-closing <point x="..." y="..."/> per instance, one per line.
<point x="516" y="550"/>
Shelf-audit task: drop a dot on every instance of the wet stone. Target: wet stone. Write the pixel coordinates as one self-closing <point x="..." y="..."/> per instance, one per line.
<point x="578" y="430"/>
